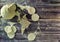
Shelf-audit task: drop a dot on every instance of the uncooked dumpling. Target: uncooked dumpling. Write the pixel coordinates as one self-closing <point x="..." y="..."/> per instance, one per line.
<point x="7" y="11"/>
<point x="31" y="10"/>
<point x="31" y="36"/>
<point x="8" y="29"/>
<point x="35" y="17"/>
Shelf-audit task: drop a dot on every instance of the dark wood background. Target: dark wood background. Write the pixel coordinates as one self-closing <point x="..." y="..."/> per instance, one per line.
<point x="49" y="23"/>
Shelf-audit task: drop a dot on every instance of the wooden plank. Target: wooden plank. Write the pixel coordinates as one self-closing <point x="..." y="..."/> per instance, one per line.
<point x="49" y="20"/>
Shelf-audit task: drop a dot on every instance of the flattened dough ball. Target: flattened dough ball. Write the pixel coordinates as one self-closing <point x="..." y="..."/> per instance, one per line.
<point x="35" y="17"/>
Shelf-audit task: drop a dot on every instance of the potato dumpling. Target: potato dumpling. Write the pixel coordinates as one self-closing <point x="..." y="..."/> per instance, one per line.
<point x="8" y="11"/>
<point x="31" y="36"/>
<point x="24" y="24"/>
<point x="35" y="17"/>
<point x="8" y="29"/>
<point x="31" y="10"/>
